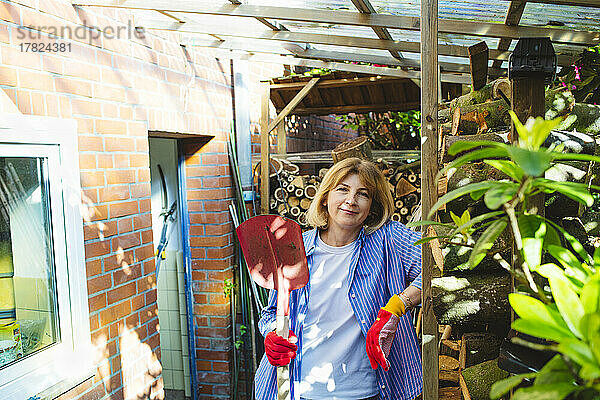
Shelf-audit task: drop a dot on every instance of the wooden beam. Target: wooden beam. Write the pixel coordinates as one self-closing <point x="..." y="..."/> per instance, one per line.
<point x="575" y="3"/>
<point x="513" y="16"/>
<point x="429" y="169"/>
<point x="292" y="104"/>
<point x="325" y="55"/>
<point x="478" y="56"/>
<point x="475" y="28"/>
<point x="357" y="108"/>
<point x="281" y="139"/>
<point x="264" y="149"/>
<point x="334" y="40"/>
<point x="365" y="7"/>
<point x="364" y="69"/>
<point x="329" y="83"/>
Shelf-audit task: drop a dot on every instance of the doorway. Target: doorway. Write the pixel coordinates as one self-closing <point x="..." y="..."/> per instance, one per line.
<point x="166" y="226"/>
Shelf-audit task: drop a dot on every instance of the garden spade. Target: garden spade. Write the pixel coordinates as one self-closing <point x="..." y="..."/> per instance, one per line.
<point x="274" y="251"/>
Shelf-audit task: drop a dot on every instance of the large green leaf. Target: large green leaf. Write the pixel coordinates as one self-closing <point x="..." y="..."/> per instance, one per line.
<point x="575" y="157"/>
<point x="572" y="241"/>
<point x="577" y="351"/>
<point x="508" y="167"/>
<point x="535" y="131"/>
<point x="532" y="309"/>
<point x="501" y="193"/>
<point x="533" y="231"/>
<point x="590" y="372"/>
<point x="590" y="295"/>
<point x="555" y="371"/>
<point x="529" y="224"/>
<point x="414" y="224"/>
<point x="555" y="391"/>
<point x="576" y="191"/>
<point x="461" y="191"/>
<point x="568" y="304"/>
<point x="533" y="162"/>
<point x="497" y="150"/>
<point x="477" y="220"/>
<point x="567" y="259"/>
<point x="541" y="330"/>
<point x="460" y="146"/>
<point x="502" y="387"/>
<point x="486" y="241"/>
<point x="597" y="257"/>
<point x="553" y="271"/>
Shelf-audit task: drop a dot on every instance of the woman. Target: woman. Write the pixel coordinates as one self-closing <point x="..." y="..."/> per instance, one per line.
<point x="365" y="274"/>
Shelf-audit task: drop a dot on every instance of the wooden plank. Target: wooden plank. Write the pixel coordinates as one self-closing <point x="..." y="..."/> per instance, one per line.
<point x="478" y="57"/>
<point x="429" y="168"/>
<point x="328" y="83"/>
<point x="357" y="108"/>
<point x="365" y="7"/>
<point x="513" y="16"/>
<point x="292" y="104"/>
<point x="281" y="138"/>
<point x="475" y="28"/>
<point x="264" y="148"/>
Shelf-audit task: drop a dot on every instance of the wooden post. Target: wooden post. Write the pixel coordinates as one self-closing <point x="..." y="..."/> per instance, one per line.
<point x="281" y="138"/>
<point x="429" y="169"/>
<point x="264" y="147"/>
<point x="528" y="98"/>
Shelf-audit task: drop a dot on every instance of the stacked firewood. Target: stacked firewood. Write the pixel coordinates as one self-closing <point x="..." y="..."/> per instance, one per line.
<point x="292" y="193"/>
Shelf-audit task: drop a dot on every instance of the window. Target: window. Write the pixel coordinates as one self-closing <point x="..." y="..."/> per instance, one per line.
<point x="44" y="321"/>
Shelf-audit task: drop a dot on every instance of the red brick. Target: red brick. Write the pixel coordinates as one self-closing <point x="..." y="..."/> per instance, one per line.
<point x="126" y="225"/>
<point x="92" y="178"/>
<point x="90" y="143"/>
<point x="94" y="213"/>
<point x="207" y="194"/>
<point x="115" y="312"/>
<point x="126" y="241"/>
<point x="140" y="190"/>
<point x="141" y="221"/>
<point x="99" y="284"/>
<point x="121" y="292"/>
<point x="144" y="252"/>
<point x="218" y="299"/>
<point x="138" y="160"/>
<point x="138" y="302"/>
<point x="117" y="144"/>
<point x="146" y="236"/>
<point x="219" y="252"/>
<point x="143" y="175"/>
<point x="94" y="322"/>
<point x="122" y="209"/>
<point x="133" y="320"/>
<point x="210" y="309"/>
<point x="198" y="252"/>
<point x="121" y="160"/>
<point x="93" y="267"/>
<point x="86" y="107"/>
<point x="87" y="161"/>
<point x="110" y="110"/>
<point x="114" y="193"/>
<point x="145" y="205"/>
<point x="111" y="127"/>
<point x="76" y="87"/>
<point x="10" y="13"/>
<point x="122" y="275"/>
<point x="120" y="176"/>
<point x="95" y="249"/>
<point x="8" y="76"/>
<point x="141" y="145"/>
<point x="24" y="102"/>
<point x="120" y="260"/>
<point x="105" y="161"/>
<point x="146" y="283"/>
<point x="97" y="302"/>
<point x="218" y="229"/>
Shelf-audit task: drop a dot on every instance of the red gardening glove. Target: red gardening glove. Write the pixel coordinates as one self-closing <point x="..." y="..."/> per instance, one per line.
<point x="280" y="351"/>
<point x="381" y="334"/>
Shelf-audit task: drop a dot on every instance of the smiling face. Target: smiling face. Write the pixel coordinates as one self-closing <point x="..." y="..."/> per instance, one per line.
<point x="348" y="204"/>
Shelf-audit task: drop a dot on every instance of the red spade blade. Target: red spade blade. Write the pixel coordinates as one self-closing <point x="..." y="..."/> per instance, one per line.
<point x="274" y="251"/>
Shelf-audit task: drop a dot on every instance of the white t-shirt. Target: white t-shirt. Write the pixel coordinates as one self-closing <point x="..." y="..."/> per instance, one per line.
<point x="335" y="365"/>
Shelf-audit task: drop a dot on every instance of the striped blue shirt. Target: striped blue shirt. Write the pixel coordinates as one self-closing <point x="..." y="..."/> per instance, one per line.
<point x="384" y="263"/>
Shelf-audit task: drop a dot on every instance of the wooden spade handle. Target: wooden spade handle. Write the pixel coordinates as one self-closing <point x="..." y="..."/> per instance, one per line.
<point x="283" y="373"/>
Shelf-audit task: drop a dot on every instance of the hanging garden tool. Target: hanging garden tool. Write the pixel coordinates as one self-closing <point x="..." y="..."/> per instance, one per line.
<point x="167" y="215"/>
<point x="274" y="251"/>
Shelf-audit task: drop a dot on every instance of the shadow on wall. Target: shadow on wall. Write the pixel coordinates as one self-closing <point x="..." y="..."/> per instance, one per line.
<point x="126" y="361"/>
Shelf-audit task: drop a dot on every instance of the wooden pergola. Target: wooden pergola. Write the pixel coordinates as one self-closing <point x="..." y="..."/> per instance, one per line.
<point x="400" y="42"/>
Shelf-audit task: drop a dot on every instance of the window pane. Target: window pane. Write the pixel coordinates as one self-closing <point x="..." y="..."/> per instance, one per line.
<point x="28" y="301"/>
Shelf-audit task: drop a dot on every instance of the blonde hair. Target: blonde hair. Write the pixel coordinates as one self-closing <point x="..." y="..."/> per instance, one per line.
<point x="370" y="176"/>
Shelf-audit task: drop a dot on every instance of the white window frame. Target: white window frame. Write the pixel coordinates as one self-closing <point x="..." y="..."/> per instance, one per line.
<point x="69" y="361"/>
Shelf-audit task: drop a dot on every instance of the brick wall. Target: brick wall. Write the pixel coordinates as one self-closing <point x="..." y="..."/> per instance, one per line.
<point x="117" y="90"/>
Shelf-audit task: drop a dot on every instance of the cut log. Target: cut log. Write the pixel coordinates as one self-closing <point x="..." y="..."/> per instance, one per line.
<point x="396" y="217"/>
<point x="322" y="173"/>
<point x="305" y="203"/>
<point x="280" y="195"/>
<point x="403" y="188"/>
<point x="299" y="181"/>
<point x="299" y="192"/>
<point x="475" y="97"/>
<point x="310" y="191"/>
<point x="290" y="188"/>
<point x="293" y="201"/>
<point x="480" y="347"/>
<point x="358" y="147"/>
<point x="448" y="141"/>
<point x="478" y="57"/>
<point x="282" y="209"/>
<point x="295" y="211"/>
<point x="495" y="113"/>
<point x="501" y="89"/>
<point x="275" y="167"/>
<point x="448" y="363"/>
<point x="472" y="303"/>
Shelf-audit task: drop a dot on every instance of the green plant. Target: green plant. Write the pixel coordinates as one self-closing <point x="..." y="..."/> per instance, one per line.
<point x="239" y="342"/>
<point x="583" y="77"/>
<point x="387" y="131"/>
<point x="228" y="287"/>
<point x="560" y="300"/>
